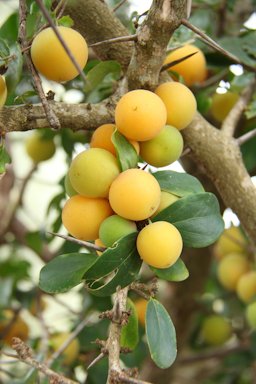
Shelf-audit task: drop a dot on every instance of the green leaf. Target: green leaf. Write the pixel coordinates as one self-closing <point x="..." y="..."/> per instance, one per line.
<point x="14" y="72"/>
<point x="197" y="217"/>
<point x="180" y="184"/>
<point x="177" y="272"/>
<point x="65" y="272"/>
<point x="4" y="158"/>
<point x="4" y="49"/>
<point x="66" y="21"/>
<point x="9" y="29"/>
<point x="130" y="331"/>
<point x="126" y="153"/>
<point x="161" y="335"/>
<point x="96" y="75"/>
<point x="120" y="264"/>
<point x="235" y="46"/>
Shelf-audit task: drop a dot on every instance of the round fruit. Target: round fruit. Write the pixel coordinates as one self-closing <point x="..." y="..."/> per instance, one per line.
<point x="50" y="58"/>
<point x="216" y="330"/>
<point x="10" y="327"/>
<point x="140" y="115"/>
<point x="193" y="69"/>
<point x="141" y="307"/>
<point x="114" y="227"/>
<point x="71" y="352"/>
<point x="231" y="268"/>
<point x="180" y="103"/>
<point x="163" y="149"/>
<point x="134" y="194"/>
<point x="159" y="244"/>
<point x="222" y="103"/>
<point x="39" y="148"/>
<point x="166" y="199"/>
<point x="246" y="286"/>
<point x="3" y="91"/>
<point x="82" y="216"/>
<point x="70" y="191"/>
<point x="92" y="172"/>
<point x="250" y="314"/>
<point x="231" y="241"/>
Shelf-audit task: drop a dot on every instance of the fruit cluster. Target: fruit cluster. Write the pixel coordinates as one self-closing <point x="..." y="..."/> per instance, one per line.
<point x="108" y="202"/>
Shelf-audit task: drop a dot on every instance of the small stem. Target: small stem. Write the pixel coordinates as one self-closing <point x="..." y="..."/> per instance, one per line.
<point x="120" y="39"/>
<point x="80" y="242"/>
<point x="246" y="137"/>
<point x="118" y="5"/>
<point x="96" y="360"/>
<point x="175" y="62"/>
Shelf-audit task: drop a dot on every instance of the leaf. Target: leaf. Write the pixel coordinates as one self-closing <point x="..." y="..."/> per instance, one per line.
<point x="180" y="184"/>
<point x="235" y="46"/>
<point x="197" y="217"/>
<point x="177" y="272"/>
<point x="4" y="48"/>
<point x="65" y="272"/>
<point x="4" y="158"/>
<point x="96" y="75"/>
<point x="120" y="264"/>
<point x="161" y="335"/>
<point x="126" y="153"/>
<point x="9" y="29"/>
<point x="14" y="71"/>
<point x="66" y="21"/>
<point x="130" y="331"/>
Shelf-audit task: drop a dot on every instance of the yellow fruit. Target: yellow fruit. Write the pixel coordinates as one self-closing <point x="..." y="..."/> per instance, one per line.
<point x="99" y="243"/>
<point x="69" y="354"/>
<point x="165" y="200"/>
<point x="70" y="191"/>
<point x="3" y="91"/>
<point x="50" y="58"/>
<point x="39" y="148"/>
<point x="246" y="286"/>
<point x="230" y="241"/>
<point x="141" y="307"/>
<point x="82" y="216"/>
<point x="134" y="194"/>
<point x="159" y="244"/>
<point x="216" y="330"/>
<point x="140" y="115"/>
<point x="37" y="306"/>
<point x="231" y="268"/>
<point x="92" y="172"/>
<point x="193" y="70"/>
<point x="222" y="103"/>
<point x="18" y="328"/>
<point x="163" y="149"/>
<point x="180" y="103"/>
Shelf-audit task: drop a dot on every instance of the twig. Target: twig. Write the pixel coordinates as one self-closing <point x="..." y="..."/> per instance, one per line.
<point x="96" y="360"/>
<point x="130" y="380"/>
<point x="119" y="39"/>
<point x="80" y="242"/>
<point x="216" y="46"/>
<point x="175" y="62"/>
<point x="229" y="124"/>
<point x="60" y="8"/>
<point x="51" y="117"/>
<point x="118" y="5"/>
<point x="62" y="41"/>
<point x="25" y="355"/>
<point x="246" y="137"/>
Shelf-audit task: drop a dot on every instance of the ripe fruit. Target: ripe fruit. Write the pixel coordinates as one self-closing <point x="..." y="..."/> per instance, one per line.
<point x="166" y="199"/>
<point x="180" y="103"/>
<point x="70" y="191"/>
<point x="231" y="241"/>
<point x="231" y="268"/>
<point x="99" y="243"/>
<point x="3" y="91"/>
<point x="17" y="328"/>
<point x="71" y="352"/>
<point x="134" y="194"/>
<point x="140" y="115"/>
<point x="193" y="70"/>
<point x="114" y="227"/>
<point x="82" y="216"/>
<point x="92" y="172"/>
<point x="222" y="103"/>
<point x="159" y="244"/>
<point x="250" y="314"/>
<point x="141" y="307"/>
<point x="50" y="58"/>
<point x="39" y="148"/>
<point x="163" y="149"/>
<point x="246" y="286"/>
<point x="216" y="330"/>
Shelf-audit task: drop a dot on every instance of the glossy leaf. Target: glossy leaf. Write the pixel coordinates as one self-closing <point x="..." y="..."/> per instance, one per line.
<point x="177" y="272"/>
<point x="4" y="158"/>
<point x="96" y="75"/>
<point x="130" y="331"/>
<point x="14" y="72"/>
<point x="180" y="184"/>
<point x="161" y="335"/>
<point x="65" y="272"/>
<point x="126" y="153"/>
<point x="197" y="217"/>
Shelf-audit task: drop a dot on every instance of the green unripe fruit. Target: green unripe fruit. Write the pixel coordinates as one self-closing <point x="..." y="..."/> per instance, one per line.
<point x="3" y="91"/>
<point x="250" y="315"/>
<point x="163" y="149"/>
<point x="166" y="199"/>
<point x="70" y="191"/>
<point x="216" y="330"/>
<point x="114" y="228"/>
<point x="38" y="148"/>
<point x="92" y="172"/>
